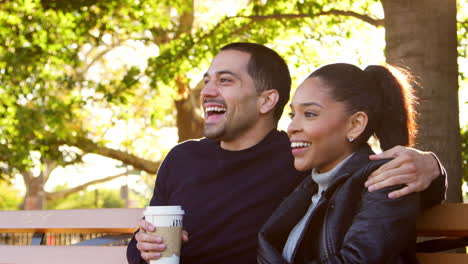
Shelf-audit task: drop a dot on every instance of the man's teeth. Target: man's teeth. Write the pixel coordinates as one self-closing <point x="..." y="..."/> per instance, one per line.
<point x="215" y="109"/>
<point x="299" y="144"/>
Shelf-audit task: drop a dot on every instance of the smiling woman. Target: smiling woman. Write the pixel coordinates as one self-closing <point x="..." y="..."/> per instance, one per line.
<point x="318" y="128"/>
<point x="337" y="115"/>
<point x="332" y="217"/>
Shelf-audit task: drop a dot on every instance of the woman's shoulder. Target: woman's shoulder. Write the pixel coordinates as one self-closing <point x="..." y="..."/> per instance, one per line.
<point x="360" y="165"/>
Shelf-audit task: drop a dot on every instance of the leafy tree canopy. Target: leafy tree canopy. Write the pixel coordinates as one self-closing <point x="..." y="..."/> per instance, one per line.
<point x="56" y="75"/>
<point x="50" y="51"/>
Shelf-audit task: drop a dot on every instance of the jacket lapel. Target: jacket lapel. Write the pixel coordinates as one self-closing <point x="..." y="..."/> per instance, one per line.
<point x="275" y="231"/>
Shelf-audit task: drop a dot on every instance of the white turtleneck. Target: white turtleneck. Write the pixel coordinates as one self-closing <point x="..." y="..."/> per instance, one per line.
<point x="323" y="181"/>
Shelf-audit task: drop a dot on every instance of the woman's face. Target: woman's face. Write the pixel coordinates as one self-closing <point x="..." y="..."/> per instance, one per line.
<point x="318" y="129"/>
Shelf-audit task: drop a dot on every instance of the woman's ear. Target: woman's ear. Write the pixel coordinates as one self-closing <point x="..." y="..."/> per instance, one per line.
<point x="268" y="100"/>
<point x="357" y="125"/>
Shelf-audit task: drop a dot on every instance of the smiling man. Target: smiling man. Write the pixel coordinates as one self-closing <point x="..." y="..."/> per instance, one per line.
<point x="238" y="112"/>
<point x="231" y="181"/>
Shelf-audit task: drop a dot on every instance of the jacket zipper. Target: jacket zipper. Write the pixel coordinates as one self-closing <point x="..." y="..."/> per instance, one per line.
<point x="321" y="202"/>
<point x="324" y="241"/>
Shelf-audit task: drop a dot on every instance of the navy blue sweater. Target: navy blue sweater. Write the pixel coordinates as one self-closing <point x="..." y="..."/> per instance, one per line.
<point x="226" y="195"/>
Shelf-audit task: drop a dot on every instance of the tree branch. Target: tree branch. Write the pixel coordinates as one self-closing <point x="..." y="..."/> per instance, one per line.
<point x="49" y="166"/>
<point x="81" y="73"/>
<point x="27" y="177"/>
<point x="203" y="36"/>
<point x="65" y="193"/>
<point x="127" y="158"/>
<point x="368" y="19"/>
<point x="186" y="20"/>
<point x="334" y="12"/>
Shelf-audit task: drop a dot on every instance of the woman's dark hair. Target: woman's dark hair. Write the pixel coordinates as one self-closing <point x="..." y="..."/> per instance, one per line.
<point x="384" y="93"/>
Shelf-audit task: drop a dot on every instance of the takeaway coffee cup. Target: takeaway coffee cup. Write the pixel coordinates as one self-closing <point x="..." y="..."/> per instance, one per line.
<point x="168" y="223"/>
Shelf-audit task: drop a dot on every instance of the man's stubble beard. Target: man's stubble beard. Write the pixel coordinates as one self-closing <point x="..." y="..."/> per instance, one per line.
<point x="229" y="130"/>
<point x="214" y="132"/>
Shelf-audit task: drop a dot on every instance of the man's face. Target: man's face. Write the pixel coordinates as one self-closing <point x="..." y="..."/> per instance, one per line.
<point x="229" y="97"/>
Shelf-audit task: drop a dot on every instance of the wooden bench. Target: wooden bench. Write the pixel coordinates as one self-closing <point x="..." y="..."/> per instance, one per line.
<point x="119" y="223"/>
<point x="447" y="227"/>
<point x="447" y="223"/>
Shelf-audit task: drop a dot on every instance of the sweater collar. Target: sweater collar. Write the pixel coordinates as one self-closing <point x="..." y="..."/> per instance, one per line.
<point x="325" y="179"/>
<point x="355" y="162"/>
<point x="268" y="139"/>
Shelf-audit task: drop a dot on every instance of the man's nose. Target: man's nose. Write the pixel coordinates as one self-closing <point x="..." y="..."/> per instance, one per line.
<point x="209" y="90"/>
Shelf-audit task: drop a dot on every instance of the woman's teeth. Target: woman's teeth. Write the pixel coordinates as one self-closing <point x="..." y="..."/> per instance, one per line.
<point x="300" y="144"/>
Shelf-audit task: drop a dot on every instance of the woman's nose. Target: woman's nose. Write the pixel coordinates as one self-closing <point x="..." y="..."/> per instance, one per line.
<point x="292" y="127"/>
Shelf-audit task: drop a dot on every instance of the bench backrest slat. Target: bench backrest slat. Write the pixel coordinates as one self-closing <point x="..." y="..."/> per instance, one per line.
<point x="62" y="254"/>
<point x="438" y="258"/>
<point x="116" y="220"/>
<point x="444" y="220"/>
<point x="447" y="219"/>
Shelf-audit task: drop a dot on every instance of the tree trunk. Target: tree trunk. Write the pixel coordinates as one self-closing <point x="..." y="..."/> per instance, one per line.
<point x="36" y="197"/>
<point x="35" y="194"/>
<point x="189" y="122"/>
<point x="421" y="34"/>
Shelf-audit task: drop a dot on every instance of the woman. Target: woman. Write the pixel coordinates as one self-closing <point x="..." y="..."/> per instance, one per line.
<point x="331" y="217"/>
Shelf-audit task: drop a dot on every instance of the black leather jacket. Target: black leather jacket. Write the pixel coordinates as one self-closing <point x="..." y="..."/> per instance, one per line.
<point x="348" y="225"/>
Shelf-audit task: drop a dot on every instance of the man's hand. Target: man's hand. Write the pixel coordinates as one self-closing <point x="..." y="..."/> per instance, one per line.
<point x="151" y="245"/>
<point x="416" y="169"/>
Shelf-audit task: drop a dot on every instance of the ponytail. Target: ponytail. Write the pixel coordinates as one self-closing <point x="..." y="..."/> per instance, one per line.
<point x="396" y="125"/>
<point x="382" y="92"/>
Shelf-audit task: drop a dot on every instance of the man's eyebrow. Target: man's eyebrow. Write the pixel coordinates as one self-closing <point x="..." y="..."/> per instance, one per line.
<point x="308" y="104"/>
<point x="222" y="72"/>
<point x="227" y="72"/>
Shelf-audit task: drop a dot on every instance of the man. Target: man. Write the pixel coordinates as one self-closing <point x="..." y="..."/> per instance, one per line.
<point x="231" y="181"/>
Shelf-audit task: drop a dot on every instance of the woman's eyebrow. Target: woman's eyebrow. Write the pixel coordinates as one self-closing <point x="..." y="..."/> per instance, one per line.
<point x="308" y="104"/>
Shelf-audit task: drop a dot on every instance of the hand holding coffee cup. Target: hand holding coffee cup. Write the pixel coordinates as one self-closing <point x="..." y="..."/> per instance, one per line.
<point x="159" y="239"/>
<point x="149" y="244"/>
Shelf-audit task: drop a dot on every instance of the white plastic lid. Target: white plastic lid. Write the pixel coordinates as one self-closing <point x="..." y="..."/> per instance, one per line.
<point x="163" y="210"/>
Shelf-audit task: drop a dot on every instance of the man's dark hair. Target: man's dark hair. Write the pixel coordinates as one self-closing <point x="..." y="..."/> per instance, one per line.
<point x="268" y="70"/>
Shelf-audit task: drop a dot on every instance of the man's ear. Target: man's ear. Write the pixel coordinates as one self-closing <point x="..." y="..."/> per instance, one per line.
<point x="357" y="125"/>
<point x="267" y="100"/>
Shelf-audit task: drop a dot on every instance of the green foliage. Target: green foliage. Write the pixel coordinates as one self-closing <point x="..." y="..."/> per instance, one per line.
<point x="259" y="22"/>
<point x="10" y="198"/>
<point x="98" y="198"/>
<point x="44" y="59"/>
<point x="48" y="50"/>
<point x="50" y="94"/>
<point x="462" y="33"/>
<point x="464" y="144"/>
<point x="39" y="50"/>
